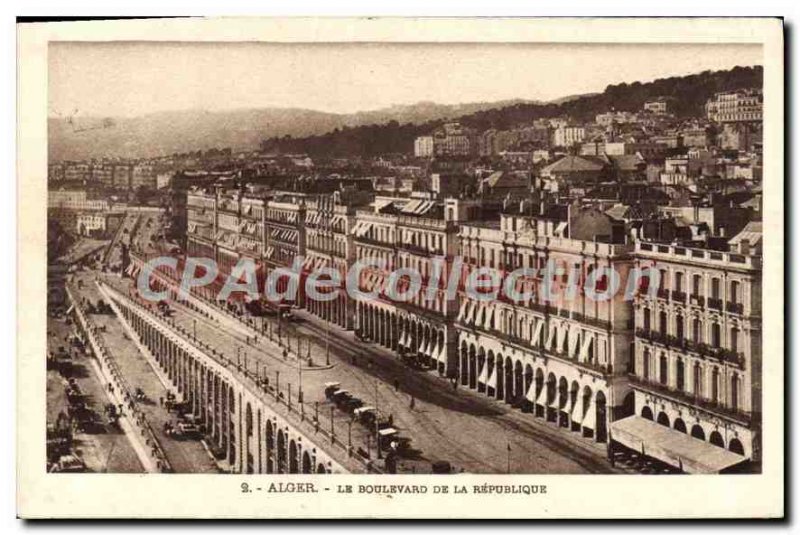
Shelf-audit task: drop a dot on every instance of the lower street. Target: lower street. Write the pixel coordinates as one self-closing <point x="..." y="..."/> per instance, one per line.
<point x="473" y="433"/>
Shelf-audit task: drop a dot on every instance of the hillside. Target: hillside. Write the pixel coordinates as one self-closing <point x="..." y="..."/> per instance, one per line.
<point x="689" y="92"/>
<point x="190" y="130"/>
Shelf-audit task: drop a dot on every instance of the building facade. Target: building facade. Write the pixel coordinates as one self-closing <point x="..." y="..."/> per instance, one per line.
<point x="562" y="357"/>
<point x="697" y="362"/>
<point x="736" y="106"/>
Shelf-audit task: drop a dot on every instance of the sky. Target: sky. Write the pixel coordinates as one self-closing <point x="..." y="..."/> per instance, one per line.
<point x="124" y="79"/>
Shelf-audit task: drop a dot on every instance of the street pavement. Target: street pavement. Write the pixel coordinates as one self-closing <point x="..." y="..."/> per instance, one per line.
<point x="106" y="449"/>
<point x="470" y="431"/>
<point x="185" y="455"/>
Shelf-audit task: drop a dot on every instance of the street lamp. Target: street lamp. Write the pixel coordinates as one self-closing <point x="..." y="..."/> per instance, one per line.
<point x="327" y="344"/>
<point x="377" y="420"/>
<point x="299" y="379"/>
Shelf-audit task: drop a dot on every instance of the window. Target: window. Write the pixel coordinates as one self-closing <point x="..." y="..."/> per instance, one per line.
<point x="698" y="380"/>
<point x="715" y="385"/>
<point x="733" y="297"/>
<point x="646" y="365"/>
<point x="646" y="318"/>
<point x="697" y="334"/>
<point x="734" y="343"/>
<point x="679" y="327"/>
<point x="662" y="322"/>
<point x="715" y="335"/>
<point x="662" y="370"/>
<point x="679" y="375"/>
<point x="715" y="288"/>
<point x="697" y="282"/>
<point x="735" y="392"/>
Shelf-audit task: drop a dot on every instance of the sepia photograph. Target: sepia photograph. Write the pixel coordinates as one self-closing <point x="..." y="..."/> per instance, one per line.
<point x="281" y="258"/>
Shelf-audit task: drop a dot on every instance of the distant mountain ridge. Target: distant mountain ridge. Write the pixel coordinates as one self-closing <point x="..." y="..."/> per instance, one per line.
<point x="169" y="132"/>
<point x="688" y="97"/>
<point x="367" y="133"/>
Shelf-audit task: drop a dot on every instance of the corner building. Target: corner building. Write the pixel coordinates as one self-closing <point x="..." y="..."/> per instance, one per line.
<point x="698" y="354"/>
<point x="564" y="360"/>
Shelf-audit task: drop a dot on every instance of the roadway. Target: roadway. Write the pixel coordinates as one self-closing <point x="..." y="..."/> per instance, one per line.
<point x="470" y="431"/>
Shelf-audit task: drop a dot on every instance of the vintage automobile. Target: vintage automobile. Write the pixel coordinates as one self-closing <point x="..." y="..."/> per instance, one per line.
<point x="340" y="397"/>
<point x="331" y="388"/>
<point x="386" y="436"/>
<point x="187" y="430"/>
<point x="352" y="404"/>
<point x="365" y="415"/>
<point x="441" y="467"/>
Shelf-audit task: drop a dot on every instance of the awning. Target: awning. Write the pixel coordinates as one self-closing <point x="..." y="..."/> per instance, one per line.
<point x="421" y="348"/>
<point x="573" y="346"/>
<point x="462" y="309"/>
<point x="541" y="399"/>
<point x="364" y="229"/>
<point x="585" y="347"/>
<point x="537" y="333"/>
<point x="530" y="395"/>
<point x="411" y="207"/>
<point x="482" y="374"/>
<point x="677" y="449"/>
<point x="577" y="410"/>
<point x="438" y="352"/>
<point x="550" y="337"/>
<point x="429" y="349"/>
<point x="492" y="381"/>
<point x="553" y="402"/>
<point x="489" y="318"/>
<point x="387" y="431"/>
<point x="590" y="418"/>
<point x="470" y="313"/>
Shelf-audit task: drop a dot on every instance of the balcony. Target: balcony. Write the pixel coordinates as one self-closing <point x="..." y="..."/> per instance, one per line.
<point x="372" y="241"/>
<point x="715" y="304"/>
<point x="714" y="407"/>
<point x="416" y="249"/>
<point x="720" y="354"/>
<point x="662" y="293"/>
<point x="736" y="308"/>
<point x="679" y="296"/>
<point x="697" y="300"/>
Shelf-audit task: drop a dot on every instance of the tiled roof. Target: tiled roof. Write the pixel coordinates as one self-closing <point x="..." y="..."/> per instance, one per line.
<point x="572" y="164"/>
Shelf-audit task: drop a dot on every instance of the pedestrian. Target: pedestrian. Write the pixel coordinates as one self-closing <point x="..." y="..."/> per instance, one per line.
<point x="161" y="401"/>
<point x="411" y="404"/>
<point x="396" y="385"/>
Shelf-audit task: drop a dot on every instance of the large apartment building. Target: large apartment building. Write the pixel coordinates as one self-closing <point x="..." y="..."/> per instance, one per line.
<point x="328" y="229"/>
<point x="549" y="350"/>
<point x="744" y="105"/>
<point x="697" y="355"/>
